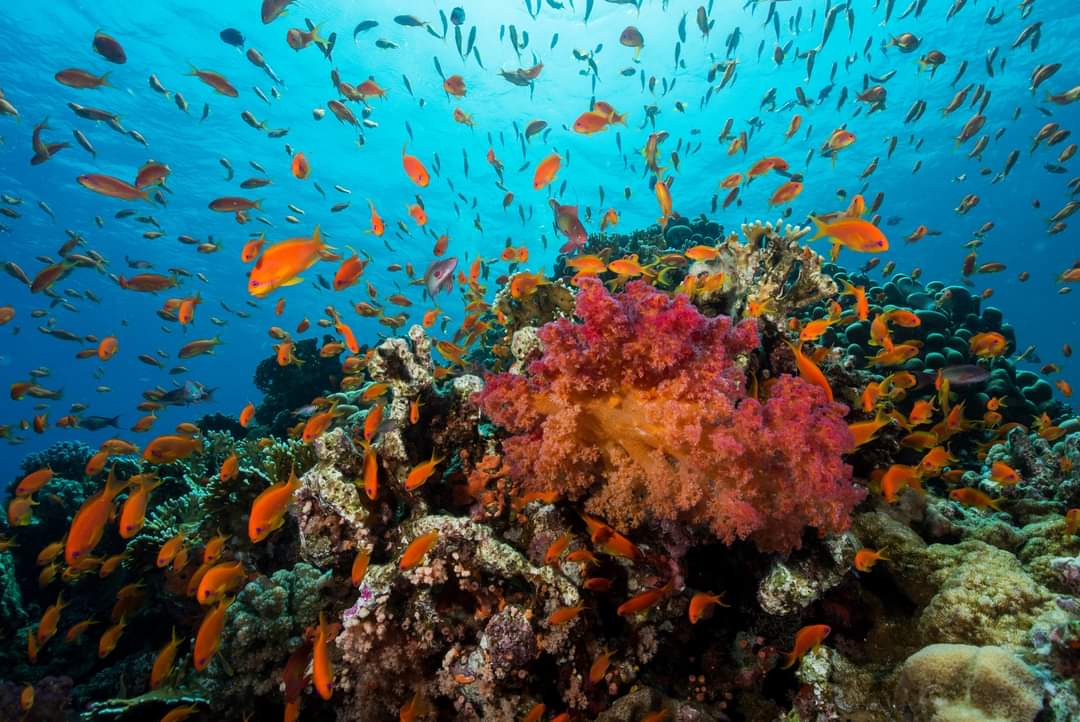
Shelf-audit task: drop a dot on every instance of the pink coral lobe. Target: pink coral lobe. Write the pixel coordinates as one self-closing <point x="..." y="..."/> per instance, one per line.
<point x="641" y="410"/>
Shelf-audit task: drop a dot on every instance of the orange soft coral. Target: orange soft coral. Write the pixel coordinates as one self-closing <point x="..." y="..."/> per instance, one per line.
<point x="640" y="409"/>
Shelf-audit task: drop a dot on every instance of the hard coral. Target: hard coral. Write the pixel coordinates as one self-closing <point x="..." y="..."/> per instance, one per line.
<point x="642" y="409"/>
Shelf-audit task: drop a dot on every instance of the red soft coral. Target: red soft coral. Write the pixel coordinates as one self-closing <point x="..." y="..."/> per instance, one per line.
<point x="642" y="409"/>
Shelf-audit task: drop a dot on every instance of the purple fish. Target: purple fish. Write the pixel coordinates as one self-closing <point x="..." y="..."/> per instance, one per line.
<point x="966" y="375"/>
<point x="440" y="276"/>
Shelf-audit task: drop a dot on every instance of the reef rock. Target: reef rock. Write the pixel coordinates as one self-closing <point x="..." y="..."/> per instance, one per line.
<point x="793" y="584"/>
<point x="771" y="267"/>
<point x="474" y="609"/>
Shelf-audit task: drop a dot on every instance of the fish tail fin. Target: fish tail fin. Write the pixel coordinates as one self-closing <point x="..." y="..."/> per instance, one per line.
<point x="791" y="657"/>
<point x="193" y="71"/>
<point x="113" y="486"/>
<point x="105" y="80"/>
<point x="821" y="230"/>
<point x="114" y="422"/>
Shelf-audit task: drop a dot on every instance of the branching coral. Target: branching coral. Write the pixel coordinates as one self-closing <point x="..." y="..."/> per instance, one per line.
<point x="641" y="408"/>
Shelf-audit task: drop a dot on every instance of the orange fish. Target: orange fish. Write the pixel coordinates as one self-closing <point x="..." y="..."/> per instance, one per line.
<point x="990" y="344"/>
<point x="786" y="193"/>
<point x="416" y="171"/>
<point x="316" y="425"/>
<point x="813" y="330"/>
<point x="973" y="497"/>
<point x="702" y="602"/>
<point x="523" y="285"/>
<point x="371" y="473"/>
<point x="853" y="233"/>
<point x="807" y="639"/>
<point x="414" y="709"/>
<point x="33" y="481"/>
<point x="372" y="422"/>
<point x="420" y="473"/>
<point x="321" y="670"/>
<point x="935" y="460"/>
<point x="896" y="478"/>
<point x="169" y="550"/>
<point x="247" y="414"/>
<point x="546" y="171"/>
<point x="251" y="249"/>
<point x="300" y="167"/>
<point x="663" y="197"/>
<point x="107" y="348"/>
<point x="809" y="371"/>
<point x="109" y="639"/>
<point x="169" y="448"/>
<point x="866" y="558"/>
<point x="208" y="638"/>
<point x="163" y="663"/>
<point x="862" y="307"/>
<point x="75" y="633"/>
<point x="535" y="713"/>
<point x="21" y="512"/>
<point x="645" y="600"/>
<point x="417" y="549"/>
<point x="133" y="513"/>
<point x="455" y="86"/>
<point x="599" y="667"/>
<point x="1072" y="521"/>
<point x="50" y="619"/>
<point x="360" y="566"/>
<point x="658" y="716"/>
<point x="269" y="508"/>
<point x="349" y="272"/>
<point x="1004" y="474"/>
<point x="557" y="547"/>
<point x="180" y="713"/>
<point x="562" y="615"/>
<point x="218" y="581"/>
<point x="88" y="525"/>
<point x="281" y="264"/>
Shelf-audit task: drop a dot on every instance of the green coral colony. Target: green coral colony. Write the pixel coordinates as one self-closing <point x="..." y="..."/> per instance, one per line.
<point x="697" y="474"/>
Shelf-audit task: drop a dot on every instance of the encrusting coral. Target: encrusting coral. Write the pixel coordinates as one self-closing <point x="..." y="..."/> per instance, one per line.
<point x="642" y="408"/>
<point x="770" y="268"/>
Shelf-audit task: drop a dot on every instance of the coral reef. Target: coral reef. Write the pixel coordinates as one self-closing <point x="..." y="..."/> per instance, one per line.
<point x="265" y="623"/>
<point x="402" y="634"/>
<point x="288" y="388"/>
<point x="646" y="395"/>
<point x="946" y="682"/>
<point x="549" y="302"/>
<point x="637" y="514"/>
<point x="770" y="267"/>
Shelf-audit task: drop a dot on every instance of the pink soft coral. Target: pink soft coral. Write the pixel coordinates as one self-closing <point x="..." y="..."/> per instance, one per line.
<point x="642" y="409"/>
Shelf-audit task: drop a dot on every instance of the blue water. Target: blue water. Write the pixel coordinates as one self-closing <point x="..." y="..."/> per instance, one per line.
<point x="163" y="38"/>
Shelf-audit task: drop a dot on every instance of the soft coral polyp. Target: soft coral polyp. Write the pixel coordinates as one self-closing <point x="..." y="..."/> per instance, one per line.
<point x="641" y="410"/>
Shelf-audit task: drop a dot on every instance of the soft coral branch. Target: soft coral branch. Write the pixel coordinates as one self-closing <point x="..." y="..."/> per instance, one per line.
<point x="641" y="410"/>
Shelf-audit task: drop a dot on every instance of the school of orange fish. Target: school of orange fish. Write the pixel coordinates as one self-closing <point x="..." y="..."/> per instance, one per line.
<point x="928" y="424"/>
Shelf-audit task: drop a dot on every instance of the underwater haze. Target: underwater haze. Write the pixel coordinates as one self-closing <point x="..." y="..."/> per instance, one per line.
<point x="275" y="247"/>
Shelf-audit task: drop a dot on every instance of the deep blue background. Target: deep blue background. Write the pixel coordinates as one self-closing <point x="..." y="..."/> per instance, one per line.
<point x="163" y="38"/>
